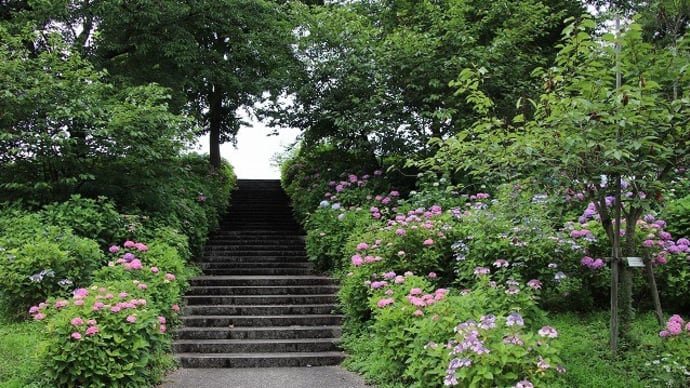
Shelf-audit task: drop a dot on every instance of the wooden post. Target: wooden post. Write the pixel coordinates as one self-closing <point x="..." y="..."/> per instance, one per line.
<point x="651" y="282"/>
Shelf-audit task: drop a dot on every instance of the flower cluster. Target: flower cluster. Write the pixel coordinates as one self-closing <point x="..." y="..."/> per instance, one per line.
<point x="675" y="326"/>
<point x="97" y="305"/>
<point x="477" y="344"/>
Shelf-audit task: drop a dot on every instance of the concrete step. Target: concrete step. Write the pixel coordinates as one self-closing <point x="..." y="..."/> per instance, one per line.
<point x="258" y="360"/>
<point x="263" y="290"/>
<point x="255" y="248"/>
<point x="235" y="258"/>
<point x="255" y="233"/>
<point x="220" y="251"/>
<point x="229" y="280"/>
<point x="256" y="345"/>
<point x="261" y="320"/>
<point x="296" y="242"/>
<point x="254" y="264"/>
<point x="243" y="300"/>
<point x="278" y="332"/>
<point x="253" y="310"/>
<point x="258" y="271"/>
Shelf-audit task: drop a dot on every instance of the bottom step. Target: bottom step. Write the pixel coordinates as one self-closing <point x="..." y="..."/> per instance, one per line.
<point x="258" y="360"/>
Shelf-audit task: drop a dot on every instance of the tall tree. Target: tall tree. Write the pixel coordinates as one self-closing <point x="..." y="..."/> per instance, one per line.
<point x="378" y="73"/>
<point x="215" y="55"/>
<point x="64" y="128"/>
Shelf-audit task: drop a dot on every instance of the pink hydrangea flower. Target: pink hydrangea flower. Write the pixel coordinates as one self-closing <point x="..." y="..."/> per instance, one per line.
<point x="141" y="247"/>
<point x="175" y="307"/>
<point x="170" y="276"/>
<point x="154" y="269"/>
<point x="129" y="244"/>
<point x="135" y="264"/>
<point x="114" y="249"/>
<point x="39" y="316"/>
<point x="76" y="335"/>
<point x="428" y="242"/>
<point x="92" y="330"/>
<point x="131" y="318"/>
<point x="80" y="293"/>
<point x="385" y="302"/>
<point x="61" y="303"/>
<point x="357" y="260"/>
<point x="362" y="246"/>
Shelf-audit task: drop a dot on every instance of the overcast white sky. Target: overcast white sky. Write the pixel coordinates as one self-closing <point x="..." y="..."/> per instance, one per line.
<point x="252" y="157"/>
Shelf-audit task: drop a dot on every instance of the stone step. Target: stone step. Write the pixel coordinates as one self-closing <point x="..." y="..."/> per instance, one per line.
<point x="258" y="360"/>
<point x="254" y="248"/>
<point x="263" y="290"/>
<point x="256" y="345"/>
<point x="242" y="300"/>
<point x="219" y="281"/>
<point x="261" y="233"/>
<point x="253" y="258"/>
<point x="277" y="332"/>
<point x="268" y="241"/>
<point x="253" y="264"/>
<point x="221" y="251"/>
<point x="255" y="310"/>
<point x="258" y="225"/>
<point x="257" y="271"/>
<point x="261" y="320"/>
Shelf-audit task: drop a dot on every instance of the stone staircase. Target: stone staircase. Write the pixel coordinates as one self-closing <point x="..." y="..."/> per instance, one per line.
<point x="258" y="304"/>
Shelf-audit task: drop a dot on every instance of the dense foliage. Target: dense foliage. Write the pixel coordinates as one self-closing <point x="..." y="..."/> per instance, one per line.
<point x="533" y="169"/>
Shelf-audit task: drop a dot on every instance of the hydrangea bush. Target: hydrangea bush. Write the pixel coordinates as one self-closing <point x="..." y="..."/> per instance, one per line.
<point x="105" y="335"/>
<point x="115" y="332"/>
<point x="414" y="329"/>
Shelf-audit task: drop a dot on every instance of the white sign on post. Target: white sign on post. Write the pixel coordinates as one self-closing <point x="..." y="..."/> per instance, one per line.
<point x="635" y="262"/>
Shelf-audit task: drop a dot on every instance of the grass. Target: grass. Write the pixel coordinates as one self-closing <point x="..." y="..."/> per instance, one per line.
<point x="19" y="344"/>
<point x="585" y="352"/>
<point x="590" y="363"/>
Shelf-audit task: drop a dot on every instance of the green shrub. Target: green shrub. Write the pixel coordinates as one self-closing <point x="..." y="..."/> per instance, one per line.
<point x="157" y="267"/>
<point x="307" y="182"/>
<point x="327" y="233"/>
<point x="677" y="215"/>
<point x="412" y="323"/>
<point x="41" y="261"/>
<point x="114" y="333"/>
<point x="105" y="336"/>
<point x="96" y="219"/>
<point x="191" y="201"/>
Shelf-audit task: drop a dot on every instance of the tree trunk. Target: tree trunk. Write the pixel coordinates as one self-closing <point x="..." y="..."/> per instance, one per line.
<point x="215" y="111"/>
